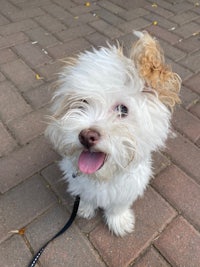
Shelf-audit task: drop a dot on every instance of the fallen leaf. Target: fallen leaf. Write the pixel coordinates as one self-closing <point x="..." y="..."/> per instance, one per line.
<point x="87" y="4"/>
<point x="154" y="5"/>
<point x="38" y="77"/>
<point x="44" y="51"/>
<point x="20" y="231"/>
<point x="172" y="29"/>
<point x="195" y="33"/>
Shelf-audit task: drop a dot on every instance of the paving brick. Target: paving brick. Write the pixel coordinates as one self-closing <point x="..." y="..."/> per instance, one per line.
<point x="187" y="30"/>
<point x="152" y="214"/>
<point x="50" y="71"/>
<point x="195" y="109"/>
<point x="77" y="2"/>
<point x="187" y="124"/>
<point x="42" y="37"/>
<point x="160" y="162"/>
<point x="77" y="252"/>
<point x="180" y="244"/>
<point x="97" y="39"/>
<point x="65" y="4"/>
<point x="7" y="143"/>
<point x="7" y="55"/>
<point x="130" y="4"/>
<point x="151" y="258"/>
<point x="64" y="50"/>
<point x="45" y="226"/>
<point x="29" y="127"/>
<point x="160" y="11"/>
<point x="59" y="13"/>
<point x="74" y="33"/>
<point x="181" y="191"/>
<point x="49" y="23"/>
<point x="7" y="8"/>
<point x="32" y="157"/>
<point x="193" y="83"/>
<point x="14" y="252"/>
<point x="2" y="77"/>
<point x="137" y="24"/>
<point x="26" y="13"/>
<point x="79" y="10"/>
<point x="192" y="62"/>
<point x="40" y="96"/>
<point x="176" y="7"/>
<point x="183" y="72"/>
<point x="171" y="51"/>
<point x="111" y="7"/>
<point x="109" y="17"/>
<point x="189" y="45"/>
<point x="32" y="54"/>
<point x="15" y="27"/>
<point x="82" y="19"/>
<point x="198" y="142"/>
<point x="13" y="39"/>
<point x="54" y="177"/>
<point x="106" y="29"/>
<point x="20" y="74"/>
<point x="3" y="20"/>
<point x="164" y="34"/>
<point x="133" y="13"/>
<point x="185" y="17"/>
<point x="33" y="3"/>
<point x="8" y="95"/>
<point x="185" y="154"/>
<point x="162" y="22"/>
<point x="188" y="97"/>
<point x="24" y="203"/>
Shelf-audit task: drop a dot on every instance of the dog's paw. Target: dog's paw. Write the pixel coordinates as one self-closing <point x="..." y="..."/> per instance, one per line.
<point x="86" y="210"/>
<point x="121" y="224"/>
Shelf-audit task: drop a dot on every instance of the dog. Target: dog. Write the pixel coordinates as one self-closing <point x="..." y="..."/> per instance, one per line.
<point x="109" y="113"/>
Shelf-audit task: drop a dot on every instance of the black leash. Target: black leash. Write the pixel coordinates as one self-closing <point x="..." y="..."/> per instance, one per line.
<point x="65" y="227"/>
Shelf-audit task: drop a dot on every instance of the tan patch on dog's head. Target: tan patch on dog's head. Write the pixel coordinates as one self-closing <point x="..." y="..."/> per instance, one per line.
<point x="149" y="60"/>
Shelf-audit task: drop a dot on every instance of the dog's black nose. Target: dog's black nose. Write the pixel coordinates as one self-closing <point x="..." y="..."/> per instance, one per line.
<point x="89" y="137"/>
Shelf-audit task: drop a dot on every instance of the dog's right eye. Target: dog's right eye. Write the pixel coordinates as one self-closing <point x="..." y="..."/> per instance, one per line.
<point x="83" y="102"/>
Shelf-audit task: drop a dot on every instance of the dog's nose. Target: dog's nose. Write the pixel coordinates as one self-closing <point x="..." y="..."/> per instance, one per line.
<point x="89" y="137"/>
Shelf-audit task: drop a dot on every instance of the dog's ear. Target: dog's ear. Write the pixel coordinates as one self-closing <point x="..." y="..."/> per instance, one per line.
<point x="150" y="63"/>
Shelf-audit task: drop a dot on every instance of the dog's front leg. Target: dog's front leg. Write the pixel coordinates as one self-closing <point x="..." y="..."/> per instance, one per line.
<point x="86" y="209"/>
<point x="120" y="219"/>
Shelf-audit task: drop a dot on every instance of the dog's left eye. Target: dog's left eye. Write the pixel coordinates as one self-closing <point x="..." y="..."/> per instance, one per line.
<point x="122" y="110"/>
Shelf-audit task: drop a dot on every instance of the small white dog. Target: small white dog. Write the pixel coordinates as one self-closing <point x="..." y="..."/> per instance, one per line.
<point x="109" y="113"/>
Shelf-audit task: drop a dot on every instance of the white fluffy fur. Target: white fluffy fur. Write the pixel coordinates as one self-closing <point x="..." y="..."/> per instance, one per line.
<point x="106" y="78"/>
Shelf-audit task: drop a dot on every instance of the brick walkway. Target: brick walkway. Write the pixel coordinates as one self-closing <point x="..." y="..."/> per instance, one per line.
<point x="33" y="36"/>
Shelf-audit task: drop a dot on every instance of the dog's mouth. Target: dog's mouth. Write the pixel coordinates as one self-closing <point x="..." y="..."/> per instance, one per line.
<point x="90" y="162"/>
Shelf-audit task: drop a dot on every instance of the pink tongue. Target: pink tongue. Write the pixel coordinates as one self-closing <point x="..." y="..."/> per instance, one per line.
<point x="90" y="162"/>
